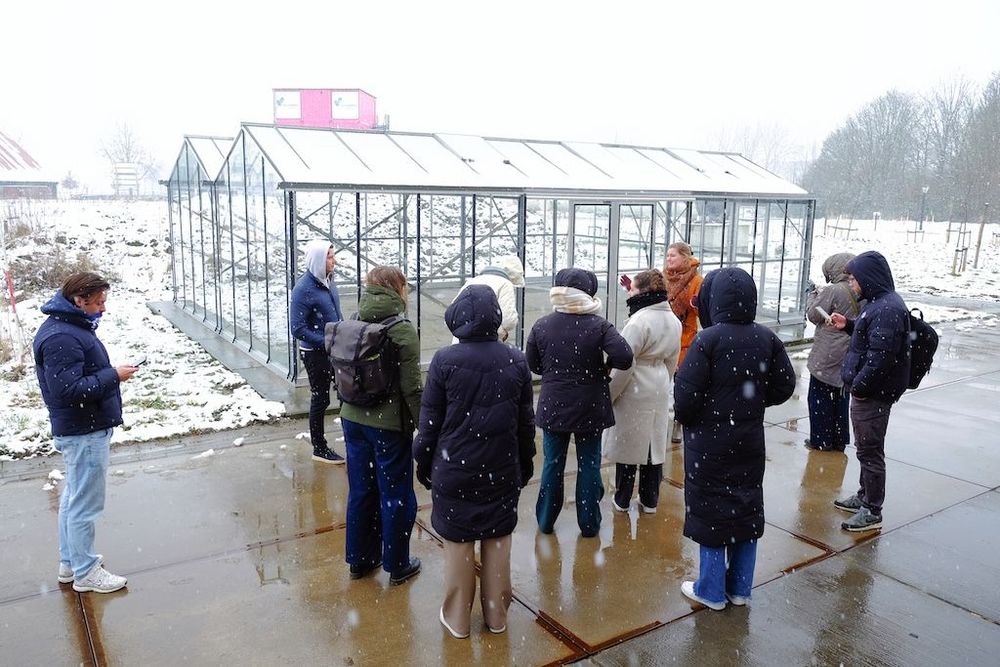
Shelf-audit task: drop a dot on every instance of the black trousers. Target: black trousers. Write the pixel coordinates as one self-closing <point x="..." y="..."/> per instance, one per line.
<point x="870" y="418"/>
<point x="650" y="477"/>
<point x="318" y="370"/>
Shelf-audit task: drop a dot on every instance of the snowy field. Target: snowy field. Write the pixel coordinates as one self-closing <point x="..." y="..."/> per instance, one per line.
<point x="183" y="390"/>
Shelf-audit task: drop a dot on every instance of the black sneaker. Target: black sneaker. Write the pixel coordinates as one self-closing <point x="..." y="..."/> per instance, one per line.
<point x="363" y="570"/>
<point x="399" y="576"/>
<point x="862" y="521"/>
<point x="850" y="504"/>
<point x="327" y="455"/>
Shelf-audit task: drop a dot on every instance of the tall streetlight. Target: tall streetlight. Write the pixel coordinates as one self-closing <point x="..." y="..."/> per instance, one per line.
<point x="923" y="206"/>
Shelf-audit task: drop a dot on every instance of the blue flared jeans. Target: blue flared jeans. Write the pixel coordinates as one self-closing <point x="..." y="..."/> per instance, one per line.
<point x="726" y="571"/>
<point x="589" y="488"/>
<point x="381" y="504"/>
<point x="82" y="500"/>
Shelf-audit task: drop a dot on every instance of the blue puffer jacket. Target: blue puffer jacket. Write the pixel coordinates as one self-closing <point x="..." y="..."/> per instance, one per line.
<point x="78" y="384"/>
<point x="477" y="433"/>
<point x="877" y="364"/>
<point x="312" y="306"/>
<point x="734" y="369"/>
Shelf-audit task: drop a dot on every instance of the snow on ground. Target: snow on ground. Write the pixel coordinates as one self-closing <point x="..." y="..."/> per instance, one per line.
<point x="181" y="389"/>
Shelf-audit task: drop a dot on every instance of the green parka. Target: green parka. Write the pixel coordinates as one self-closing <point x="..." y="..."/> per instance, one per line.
<point x="378" y="303"/>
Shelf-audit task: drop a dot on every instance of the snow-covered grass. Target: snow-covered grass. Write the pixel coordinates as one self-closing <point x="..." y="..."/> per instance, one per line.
<point x="181" y="389"/>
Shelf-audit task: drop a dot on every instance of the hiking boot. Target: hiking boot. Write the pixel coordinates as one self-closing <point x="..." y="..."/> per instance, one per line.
<point x="99" y="580"/>
<point x="399" y="576"/>
<point x="863" y="520"/>
<point x="327" y="455"/>
<point x="687" y="588"/>
<point x="363" y="570"/>
<point x="66" y="572"/>
<point x="850" y="504"/>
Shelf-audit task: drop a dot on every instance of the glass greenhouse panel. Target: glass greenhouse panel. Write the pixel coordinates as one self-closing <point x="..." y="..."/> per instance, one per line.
<point x="227" y="256"/>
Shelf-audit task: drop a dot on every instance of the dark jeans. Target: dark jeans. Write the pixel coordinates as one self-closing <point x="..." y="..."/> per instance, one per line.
<point x="589" y="488"/>
<point x="870" y="419"/>
<point x="381" y="505"/>
<point x="318" y="369"/>
<point x="650" y="476"/>
<point x="828" y="416"/>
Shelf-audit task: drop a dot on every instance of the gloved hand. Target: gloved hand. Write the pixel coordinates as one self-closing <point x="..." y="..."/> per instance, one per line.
<point x="625" y="282"/>
<point x="424" y="477"/>
<point x="527" y="471"/>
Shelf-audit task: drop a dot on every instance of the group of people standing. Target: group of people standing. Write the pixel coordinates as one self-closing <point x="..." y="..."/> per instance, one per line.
<point x="611" y="392"/>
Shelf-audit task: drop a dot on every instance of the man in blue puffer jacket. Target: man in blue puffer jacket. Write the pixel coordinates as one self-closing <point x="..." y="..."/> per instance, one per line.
<point x="315" y="303"/>
<point x="81" y="391"/>
<point x="876" y="371"/>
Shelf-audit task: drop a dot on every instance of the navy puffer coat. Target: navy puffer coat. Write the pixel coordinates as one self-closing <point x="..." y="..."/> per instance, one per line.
<point x="78" y="384"/>
<point x="877" y="364"/>
<point x="477" y="432"/>
<point x="734" y="369"/>
<point x="574" y="354"/>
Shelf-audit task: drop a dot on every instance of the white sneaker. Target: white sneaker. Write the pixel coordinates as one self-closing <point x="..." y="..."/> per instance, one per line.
<point x="618" y="508"/>
<point x="737" y="600"/>
<point x="450" y="630"/>
<point x="99" y="580"/>
<point x="687" y="588"/>
<point x="647" y="510"/>
<point x="66" y="572"/>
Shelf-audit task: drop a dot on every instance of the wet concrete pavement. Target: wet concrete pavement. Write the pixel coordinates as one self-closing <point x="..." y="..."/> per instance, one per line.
<point x="237" y="557"/>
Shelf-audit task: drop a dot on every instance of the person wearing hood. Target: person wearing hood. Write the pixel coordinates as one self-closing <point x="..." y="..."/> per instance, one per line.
<point x="502" y="276"/>
<point x="574" y="349"/>
<point x="829" y="428"/>
<point x="381" y="504"/>
<point x="475" y="449"/>
<point x="876" y="372"/>
<point x="642" y="395"/>
<point x="315" y="302"/>
<point x="81" y="391"/>
<point x="734" y="369"/>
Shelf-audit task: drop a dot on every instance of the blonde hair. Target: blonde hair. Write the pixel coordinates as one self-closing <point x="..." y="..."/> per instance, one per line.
<point x="389" y="277"/>
<point x="682" y="247"/>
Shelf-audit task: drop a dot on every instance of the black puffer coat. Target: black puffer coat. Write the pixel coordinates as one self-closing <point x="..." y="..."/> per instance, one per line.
<point x="568" y="350"/>
<point x="477" y="432"/>
<point x="877" y="364"/>
<point x="734" y="369"/>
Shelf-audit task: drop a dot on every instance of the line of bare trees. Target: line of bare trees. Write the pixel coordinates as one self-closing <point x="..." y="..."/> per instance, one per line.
<point x="882" y="158"/>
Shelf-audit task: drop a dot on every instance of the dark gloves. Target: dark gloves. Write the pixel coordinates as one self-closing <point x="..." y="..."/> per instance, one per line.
<point x="625" y="282"/>
<point x="527" y="471"/>
<point x="424" y="477"/>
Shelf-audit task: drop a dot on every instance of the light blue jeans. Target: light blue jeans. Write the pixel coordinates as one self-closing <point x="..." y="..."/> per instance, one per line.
<point x="82" y="500"/>
<point x="726" y="571"/>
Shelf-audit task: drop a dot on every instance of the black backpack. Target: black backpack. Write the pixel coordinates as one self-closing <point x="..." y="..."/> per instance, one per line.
<point x="364" y="360"/>
<point x="923" y="344"/>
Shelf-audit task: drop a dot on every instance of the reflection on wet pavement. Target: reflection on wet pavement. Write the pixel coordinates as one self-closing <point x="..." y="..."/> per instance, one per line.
<point x="238" y="557"/>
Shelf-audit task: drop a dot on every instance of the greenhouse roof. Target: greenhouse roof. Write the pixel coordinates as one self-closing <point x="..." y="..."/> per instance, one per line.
<point x="326" y="159"/>
<point x="211" y="152"/>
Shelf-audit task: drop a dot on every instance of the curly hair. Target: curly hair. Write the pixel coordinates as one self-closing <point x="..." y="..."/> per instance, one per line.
<point x="650" y="280"/>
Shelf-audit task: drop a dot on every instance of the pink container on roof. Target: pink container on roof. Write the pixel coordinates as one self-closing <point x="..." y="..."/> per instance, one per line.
<point x="342" y="108"/>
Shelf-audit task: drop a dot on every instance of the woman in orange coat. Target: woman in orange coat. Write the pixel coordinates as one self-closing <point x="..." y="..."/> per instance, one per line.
<point x="683" y="282"/>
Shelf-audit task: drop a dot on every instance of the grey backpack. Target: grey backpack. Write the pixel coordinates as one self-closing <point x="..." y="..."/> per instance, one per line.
<point x="364" y="360"/>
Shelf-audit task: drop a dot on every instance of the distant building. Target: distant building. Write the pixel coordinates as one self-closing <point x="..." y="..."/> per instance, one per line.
<point x="340" y="108"/>
<point x="21" y="175"/>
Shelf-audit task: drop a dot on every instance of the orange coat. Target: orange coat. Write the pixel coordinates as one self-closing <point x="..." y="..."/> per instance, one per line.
<point x="684" y="303"/>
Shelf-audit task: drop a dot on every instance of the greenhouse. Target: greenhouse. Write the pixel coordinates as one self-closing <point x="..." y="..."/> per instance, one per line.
<point x="443" y="206"/>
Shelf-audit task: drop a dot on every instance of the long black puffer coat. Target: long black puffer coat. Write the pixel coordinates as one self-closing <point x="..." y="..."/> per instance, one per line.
<point x="477" y="431"/>
<point x="734" y="369"/>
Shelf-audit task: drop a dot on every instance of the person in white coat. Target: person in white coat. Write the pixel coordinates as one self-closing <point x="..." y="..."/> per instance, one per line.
<point x="502" y="276"/>
<point x="642" y="395"/>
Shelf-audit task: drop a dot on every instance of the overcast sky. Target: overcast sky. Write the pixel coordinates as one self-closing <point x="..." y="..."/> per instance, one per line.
<point x="654" y="73"/>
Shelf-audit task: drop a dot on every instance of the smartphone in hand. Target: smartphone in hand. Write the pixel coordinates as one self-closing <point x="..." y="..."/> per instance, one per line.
<point x="136" y="361"/>
<point x="825" y="315"/>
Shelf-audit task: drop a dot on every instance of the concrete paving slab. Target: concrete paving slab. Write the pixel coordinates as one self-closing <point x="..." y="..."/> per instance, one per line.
<point x="604" y="588"/>
<point x="976" y="397"/>
<point x="46" y="629"/>
<point x="951" y="555"/>
<point x="835" y="612"/>
<point x="293" y="603"/>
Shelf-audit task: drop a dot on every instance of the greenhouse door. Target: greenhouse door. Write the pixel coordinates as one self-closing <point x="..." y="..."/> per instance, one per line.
<point x="589" y="233"/>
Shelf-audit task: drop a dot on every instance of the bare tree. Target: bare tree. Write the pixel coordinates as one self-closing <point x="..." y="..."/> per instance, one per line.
<point x="947" y="110"/>
<point x="124" y="147"/>
<point x="978" y="161"/>
<point x="769" y="145"/>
